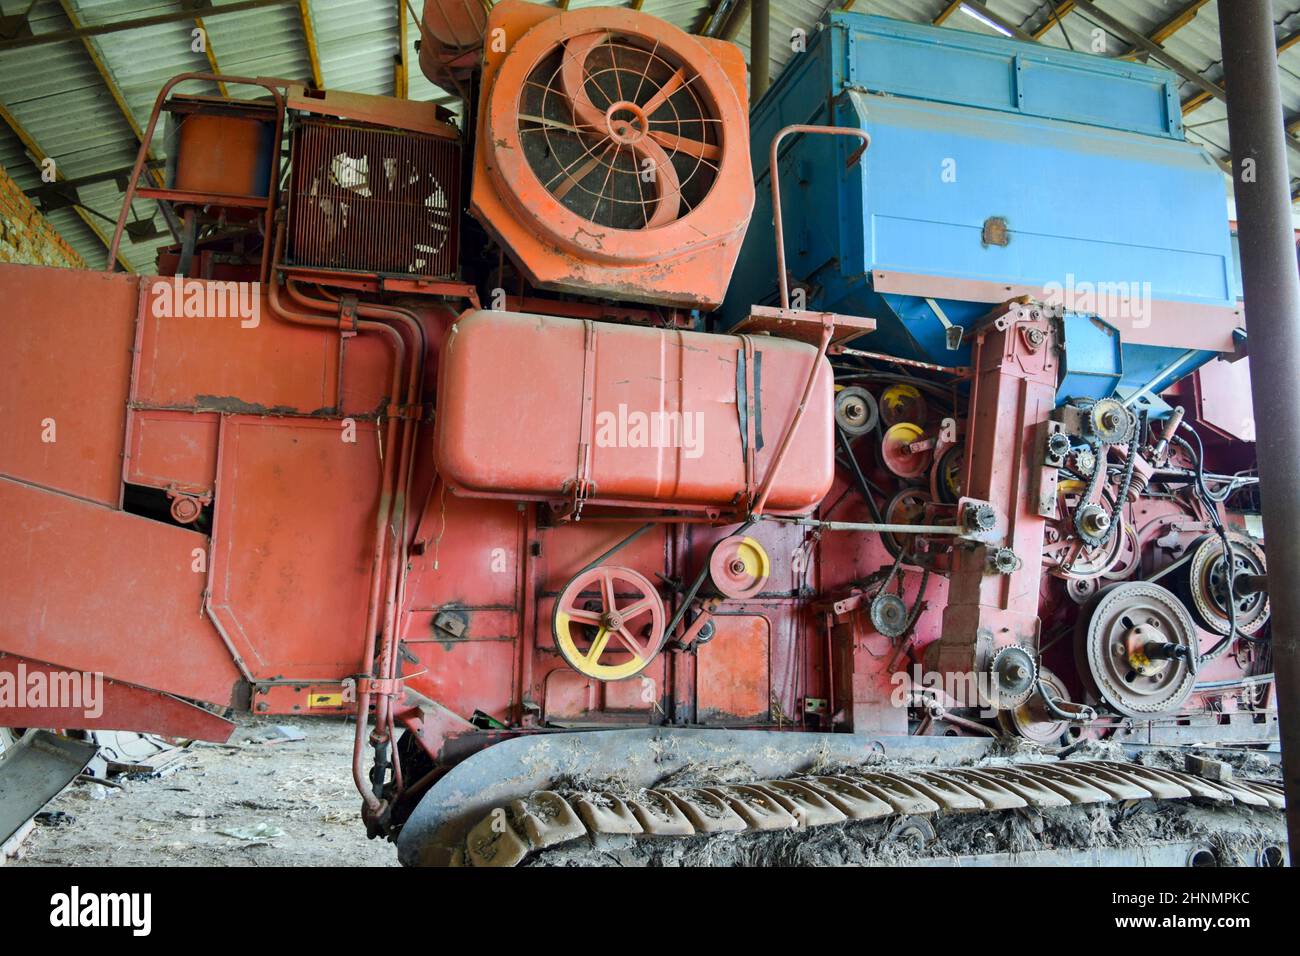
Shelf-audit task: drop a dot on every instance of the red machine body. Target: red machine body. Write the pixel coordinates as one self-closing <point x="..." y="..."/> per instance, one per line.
<point x="315" y="476"/>
<point x="632" y="415"/>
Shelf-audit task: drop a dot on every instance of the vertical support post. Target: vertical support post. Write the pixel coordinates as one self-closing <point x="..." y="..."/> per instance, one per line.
<point x="1261" y="182"/>
<point x="760" y="48"/>
<point x="1015" y="365"/>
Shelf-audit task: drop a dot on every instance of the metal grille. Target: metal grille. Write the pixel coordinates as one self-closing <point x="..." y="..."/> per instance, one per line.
<point x="375" y="200"/>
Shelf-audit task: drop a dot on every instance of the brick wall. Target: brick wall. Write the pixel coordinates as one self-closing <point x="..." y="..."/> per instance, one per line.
<point x="26" y="235"/>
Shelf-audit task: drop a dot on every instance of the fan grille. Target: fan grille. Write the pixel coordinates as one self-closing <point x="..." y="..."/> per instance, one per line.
<point x="620" y="131"/>
<point x="374" y="200"/>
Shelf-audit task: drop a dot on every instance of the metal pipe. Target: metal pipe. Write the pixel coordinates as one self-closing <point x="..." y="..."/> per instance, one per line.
<point x="871" y="527"/>
<point x="1272" y="293"/>
<point x="760" y="49"/>
<point x="774" y="172"/>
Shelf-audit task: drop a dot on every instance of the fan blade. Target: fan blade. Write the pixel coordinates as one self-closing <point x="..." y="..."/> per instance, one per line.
<point x="671" y="86"/>
<point x="574" y="76"/>
<point x="692" y="147"/>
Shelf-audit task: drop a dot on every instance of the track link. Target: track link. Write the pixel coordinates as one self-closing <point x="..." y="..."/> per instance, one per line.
<point x="507" y="835"/>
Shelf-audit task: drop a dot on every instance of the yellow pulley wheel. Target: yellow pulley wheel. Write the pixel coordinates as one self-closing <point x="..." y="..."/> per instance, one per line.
<point x="739" y="567"/>
<point x="608" y="623"/>
<point x="902" y="403"/>
<point x="897" y="454"/>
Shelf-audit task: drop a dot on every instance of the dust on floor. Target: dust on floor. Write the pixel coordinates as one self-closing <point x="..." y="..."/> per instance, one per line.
<point x="244" y="803"/>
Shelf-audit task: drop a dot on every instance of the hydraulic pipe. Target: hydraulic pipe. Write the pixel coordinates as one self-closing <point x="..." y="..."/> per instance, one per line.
<point x="383" y="510"/>
<point x="1272" y="291"/>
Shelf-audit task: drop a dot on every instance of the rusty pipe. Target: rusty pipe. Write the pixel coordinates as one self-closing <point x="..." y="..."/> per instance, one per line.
<point x="321" y="321"/>
<point x="774" y="171"/>
<point x="399" y="529"/>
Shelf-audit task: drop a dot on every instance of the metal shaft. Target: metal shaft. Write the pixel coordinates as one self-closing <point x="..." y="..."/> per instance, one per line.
<point x="1272" y="293"/>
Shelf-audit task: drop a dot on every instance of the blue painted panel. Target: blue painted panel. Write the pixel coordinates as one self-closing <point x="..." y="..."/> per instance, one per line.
<point x="1082" y="156"/>
<point x="969" y="69"/>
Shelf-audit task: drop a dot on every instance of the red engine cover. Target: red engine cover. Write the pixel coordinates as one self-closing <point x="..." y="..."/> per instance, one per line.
<point x="529" y="404"/>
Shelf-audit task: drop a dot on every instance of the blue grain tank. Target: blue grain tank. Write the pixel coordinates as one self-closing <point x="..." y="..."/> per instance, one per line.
<point x="997" y="168"/>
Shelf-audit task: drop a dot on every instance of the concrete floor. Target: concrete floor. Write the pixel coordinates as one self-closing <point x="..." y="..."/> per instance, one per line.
<point x="208" y="811"/>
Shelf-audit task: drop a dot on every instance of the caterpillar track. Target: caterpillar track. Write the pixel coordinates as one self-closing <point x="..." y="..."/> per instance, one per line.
<point x="510" y="834"/>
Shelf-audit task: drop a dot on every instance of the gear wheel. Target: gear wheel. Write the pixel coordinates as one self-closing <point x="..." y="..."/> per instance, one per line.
<point x="1014" y="674"/>
<point x="1110" y="422"/>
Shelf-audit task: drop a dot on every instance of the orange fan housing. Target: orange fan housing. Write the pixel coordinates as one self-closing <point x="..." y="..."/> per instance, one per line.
<point x="613" y="153"/>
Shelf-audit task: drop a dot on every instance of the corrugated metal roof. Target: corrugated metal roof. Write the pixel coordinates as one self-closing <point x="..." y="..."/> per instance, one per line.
<point x="57" y="94"/>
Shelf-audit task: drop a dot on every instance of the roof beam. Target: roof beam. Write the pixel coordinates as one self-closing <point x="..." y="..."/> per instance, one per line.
<point x="1200" y="99"/>
<point x="110" y="83"/>
<point x="309" y="40"/>
<point x="401" y="76"/>
<point x="709" y="17"/>
<point x="211" y="54"/>
<point x="1058" y="12"/>
<point x="946" y="12"/>
<point x="39" y="155"/>
<point x="1168" y="28"/>
<point x="98" y="29"/>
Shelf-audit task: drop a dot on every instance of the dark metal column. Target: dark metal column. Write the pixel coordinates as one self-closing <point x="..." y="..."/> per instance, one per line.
<point x="760" y="48"/>
<point x="1272" y="290"/>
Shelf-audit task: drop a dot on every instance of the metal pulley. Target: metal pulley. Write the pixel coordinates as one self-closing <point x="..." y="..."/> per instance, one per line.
<point x="1137" y="648"/>
<point x="902" y="403"/>
<point x="608" y="623"/>
<point x="900" y="451"/>
<point x="906" y="507"/>
<point x="855" y="410"/>
<point x="1032" y="719"/>
<point x="739" y="567"/>
<point x="1203" y="584"/>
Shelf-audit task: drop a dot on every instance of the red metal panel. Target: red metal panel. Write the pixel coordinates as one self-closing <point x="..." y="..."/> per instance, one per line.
<point x="733" y="670"/>
<point x="644" y="415"/>
<point x="292" y="539"/>
<point x="173" y="448"/>
<point x="66" y="359"/>
<point x="228" y="364"/>
<point x="465" y="676"/>
<point x="93" y="589"/>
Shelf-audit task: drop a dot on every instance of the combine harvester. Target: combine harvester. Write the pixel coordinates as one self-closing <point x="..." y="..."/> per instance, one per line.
<point x="608" y="508"/>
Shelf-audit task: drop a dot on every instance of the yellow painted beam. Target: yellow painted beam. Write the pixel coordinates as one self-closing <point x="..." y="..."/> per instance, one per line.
<point x="1062" y="9"/>
<point x="40" y="156"/>
<point x="211" y="54"/>
<point x="309" y="40"/>
<point x="947" y="11"/>
<point x="110" y="83"/>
